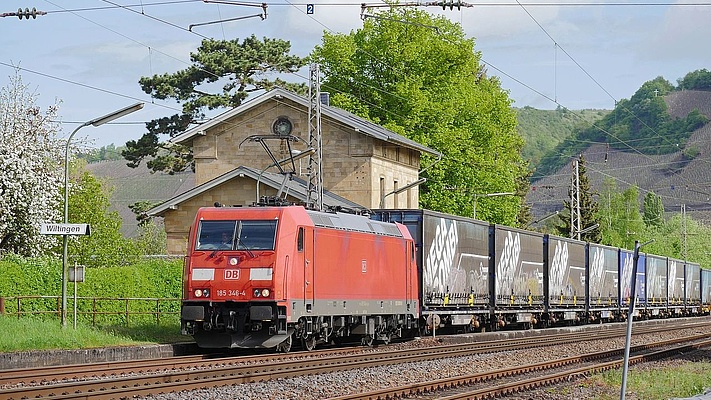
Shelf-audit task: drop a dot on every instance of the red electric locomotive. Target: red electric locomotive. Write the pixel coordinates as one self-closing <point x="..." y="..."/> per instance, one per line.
<point x="264" y="277"/>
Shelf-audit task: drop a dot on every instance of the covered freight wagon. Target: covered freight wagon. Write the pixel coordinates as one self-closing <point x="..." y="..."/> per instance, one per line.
<point x="657" y="275"/>
<point x="518" y="275"/>
<point x="675" y="285"/>
<point x="603" y="282"/>
<point x="692" y="288"/>
<point x="706" y="291"/>
<point x="564" y="278"/>
<point x="626" y="271"/>
<point x="453" y="264"/>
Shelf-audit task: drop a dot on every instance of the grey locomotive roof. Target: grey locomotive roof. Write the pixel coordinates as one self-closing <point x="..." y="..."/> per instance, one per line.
<point x="351" y="222"/>
<point x="295" y="187"/>
<point x="357" y="123"/>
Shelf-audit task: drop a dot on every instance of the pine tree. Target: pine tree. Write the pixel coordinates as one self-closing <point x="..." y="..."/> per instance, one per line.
<point x="241" y="68"/>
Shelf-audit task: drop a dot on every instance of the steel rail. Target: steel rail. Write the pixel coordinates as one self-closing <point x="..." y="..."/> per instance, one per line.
<point x="233" y="370"/>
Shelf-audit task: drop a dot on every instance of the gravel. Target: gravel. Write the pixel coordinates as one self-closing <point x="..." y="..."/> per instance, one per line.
<point x="368" y="379"/>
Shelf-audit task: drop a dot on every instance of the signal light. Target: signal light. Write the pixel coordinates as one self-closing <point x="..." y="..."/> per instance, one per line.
<point x="27" y="13"/>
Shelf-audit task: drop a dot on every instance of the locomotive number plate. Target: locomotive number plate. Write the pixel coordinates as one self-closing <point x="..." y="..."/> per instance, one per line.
<point x="222" y="293"/>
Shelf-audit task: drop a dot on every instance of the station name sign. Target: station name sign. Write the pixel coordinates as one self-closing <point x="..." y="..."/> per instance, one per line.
<point x="65" y="229"/>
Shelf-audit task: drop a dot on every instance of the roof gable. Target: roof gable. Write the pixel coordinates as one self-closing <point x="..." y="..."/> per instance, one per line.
<point x="296" y="187"/>
<point x="359" y="124"/>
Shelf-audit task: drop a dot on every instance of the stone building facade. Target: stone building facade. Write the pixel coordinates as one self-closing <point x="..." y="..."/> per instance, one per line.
<point x="363" y="163"/>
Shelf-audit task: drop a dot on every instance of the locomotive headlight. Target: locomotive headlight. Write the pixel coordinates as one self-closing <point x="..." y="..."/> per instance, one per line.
<point x="265" y="292"/>
<point x="206" y="292"/>
<point x="256" y="293"/>
<point x="198" y="292"/>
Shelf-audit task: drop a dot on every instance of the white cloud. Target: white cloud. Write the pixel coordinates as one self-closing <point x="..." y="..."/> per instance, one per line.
<point x="682" y="35"/>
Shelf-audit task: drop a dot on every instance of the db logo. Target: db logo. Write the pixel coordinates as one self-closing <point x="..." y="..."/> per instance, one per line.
<point x="232" y="274"/>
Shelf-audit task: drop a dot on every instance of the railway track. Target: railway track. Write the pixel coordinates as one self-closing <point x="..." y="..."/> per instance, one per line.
<point x="503" y="382"/>
<point x="140" y="378"/>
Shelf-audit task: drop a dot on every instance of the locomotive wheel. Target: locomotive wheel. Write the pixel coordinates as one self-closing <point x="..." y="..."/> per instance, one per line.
<point x="386" y="339"/>
<point x="285" y="346"/>
<point x="309" y="342"/>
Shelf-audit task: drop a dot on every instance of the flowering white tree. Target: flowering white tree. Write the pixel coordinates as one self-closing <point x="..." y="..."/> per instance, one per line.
<point x="31" y="173"/>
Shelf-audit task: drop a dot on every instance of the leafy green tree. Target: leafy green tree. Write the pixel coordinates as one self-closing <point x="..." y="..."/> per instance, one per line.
<point x="241" y="68"/>
<point x="418" y="75"/>
<point x="152" y="239"/>
<point x="606" y="213"/>
<point x="588" y="209"/>
<point x="696" y="80"/>
<point x="653" y="210"/>
<point x="31" y="174"/>
<point x="621" y="221"/>
<point x="680" y="238"/>
<point x="89" y="204"/>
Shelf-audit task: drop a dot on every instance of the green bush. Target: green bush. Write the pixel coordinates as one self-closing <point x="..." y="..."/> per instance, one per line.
<point x="101" y="297"/>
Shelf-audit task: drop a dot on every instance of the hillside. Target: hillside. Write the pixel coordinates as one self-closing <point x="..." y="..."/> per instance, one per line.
<point x="682" y="177"/>
<point x="131" y="185"/>
<point x="543" y="130"/>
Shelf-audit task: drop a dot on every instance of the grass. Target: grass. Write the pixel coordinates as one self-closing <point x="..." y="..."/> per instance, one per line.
<point x="679" y="379"/>
<point x="40" y="334"/>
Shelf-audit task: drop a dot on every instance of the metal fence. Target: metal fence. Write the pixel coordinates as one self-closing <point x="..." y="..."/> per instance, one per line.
<point x="94" y="310"/>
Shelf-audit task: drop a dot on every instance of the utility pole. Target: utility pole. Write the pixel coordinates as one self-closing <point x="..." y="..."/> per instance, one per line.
<point x="683" y="230"/>
<point x="314" y="193"/>
<point x="575" y="201"/>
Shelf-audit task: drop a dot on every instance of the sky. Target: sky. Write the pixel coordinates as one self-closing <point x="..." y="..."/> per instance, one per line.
<point x="88" y="55"/>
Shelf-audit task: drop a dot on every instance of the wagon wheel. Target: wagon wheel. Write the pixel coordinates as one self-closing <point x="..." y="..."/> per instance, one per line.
<point x="309" y="342"/>
<point x="367" y="340"/>
<point x="285" y="346"/>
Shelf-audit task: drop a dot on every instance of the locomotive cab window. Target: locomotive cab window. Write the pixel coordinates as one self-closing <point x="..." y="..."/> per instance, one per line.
<point x="256" y="235"/>
<point x="214" y="235"/>
<point x="250" y="235"/>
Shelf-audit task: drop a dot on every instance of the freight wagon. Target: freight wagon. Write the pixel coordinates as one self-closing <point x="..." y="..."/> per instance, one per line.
<point x="675" y="287"/>
<point x="603" y="283"/>
<point x="656" y="285"/>
<point x="565" y="276"/>
<point x="706" y="291"/>
<point x="692" y="288"/>
<point x="453" y="262"/>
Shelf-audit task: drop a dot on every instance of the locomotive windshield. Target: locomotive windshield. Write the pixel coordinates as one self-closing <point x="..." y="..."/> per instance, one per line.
<point x="236" y="235"/>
